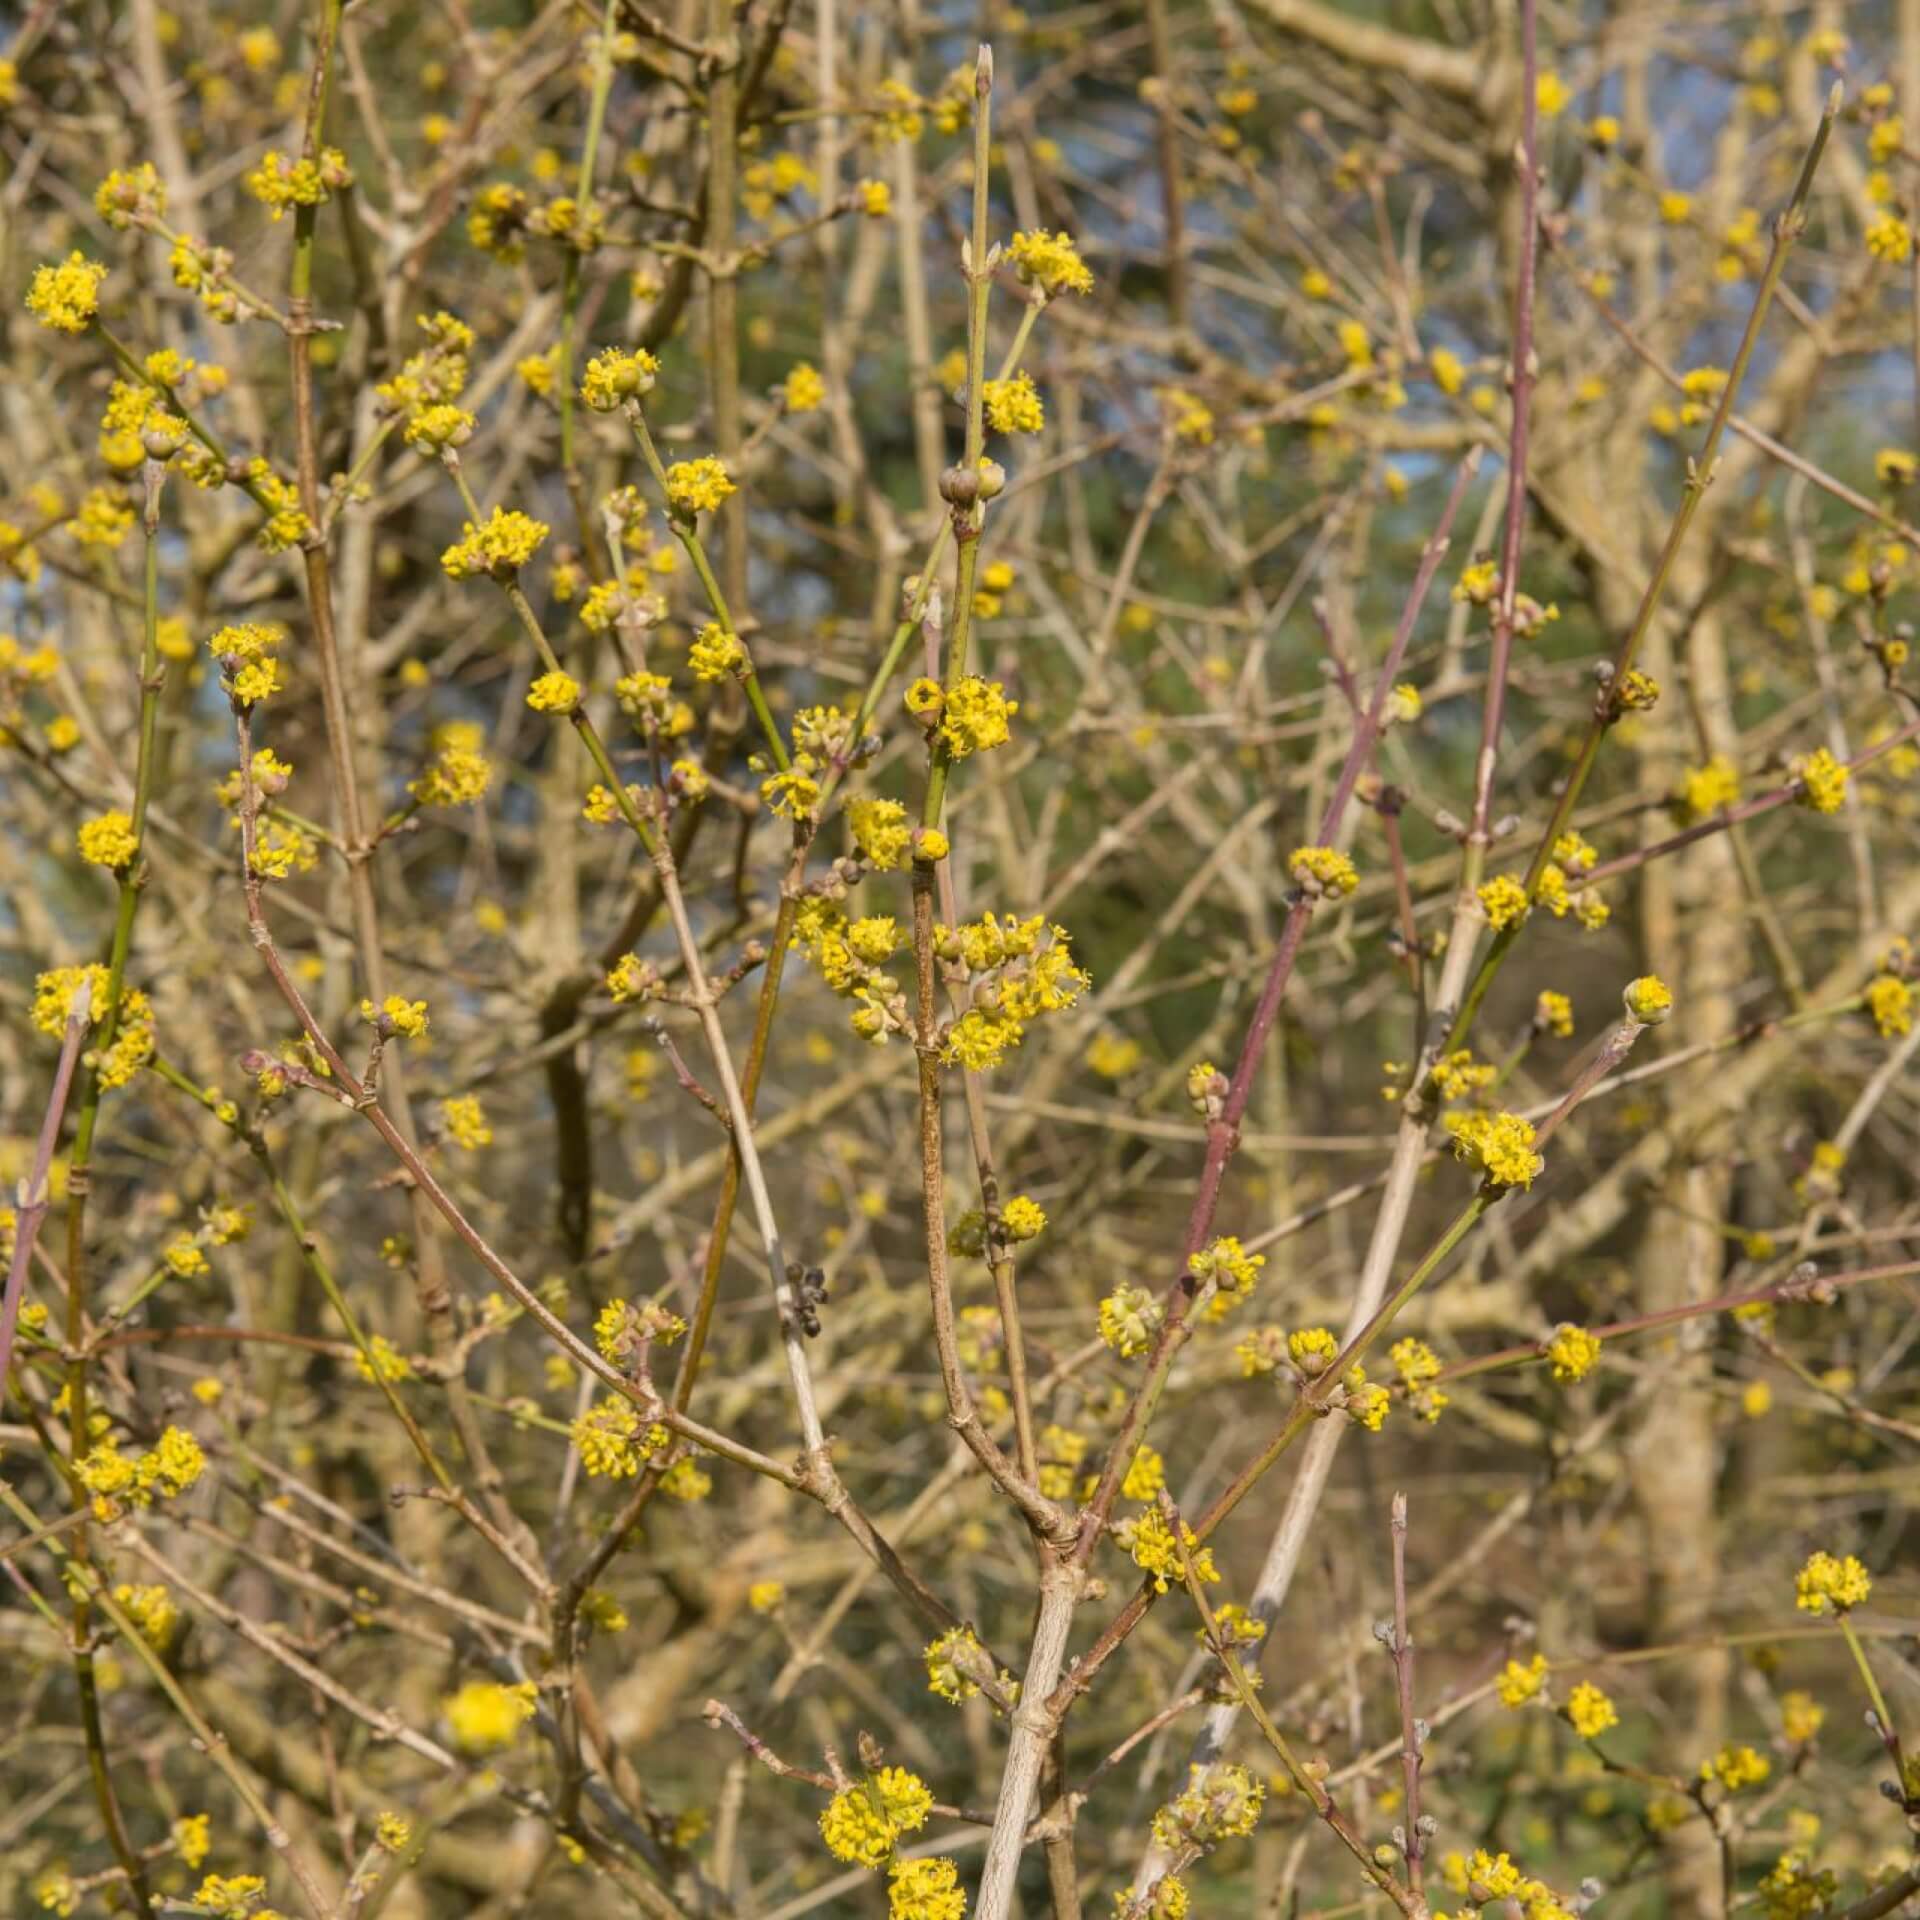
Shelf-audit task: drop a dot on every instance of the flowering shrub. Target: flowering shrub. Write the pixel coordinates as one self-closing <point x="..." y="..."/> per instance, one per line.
<point x="834" y="880"/>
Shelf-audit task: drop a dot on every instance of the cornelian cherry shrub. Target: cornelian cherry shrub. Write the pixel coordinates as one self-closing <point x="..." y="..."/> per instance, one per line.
<point x="957" y="961"/>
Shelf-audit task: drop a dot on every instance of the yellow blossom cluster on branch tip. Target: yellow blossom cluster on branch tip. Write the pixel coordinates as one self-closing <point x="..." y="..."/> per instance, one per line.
<point x="457" y="776"/>
<point x="1504" y="901"/>
<point x="948" y="1659"/>
<point x="1220" y="1802"/>
<point x="554" y="692"/>
<point x="698" y="486"/>
<point x="803" y="390"/>
<point x="1014" y="406"/>
<point x="1232" y="1270"/>
<point x="1589" y="1712"/>
<point x="1517" y="1684"/>
<point x="1648" y="1000"/>
<point x="1573" y="1351"/>
<point x="380" y="1359"/>
<point x="1829" y="1584"/>
<point x="1736" y="1768"/>
<point x="465" y="1121"/>
<point x="974" y="716"/>
<point x="611" y="1442"/>
<point x="1050" y="261"/>
<point x="1322" y="872"/>
<point x="1149" y="1539"/>
<point x="67" y="296"/>
<point x="863" y="1823"/>
<point x="152" y="1610"/>
<point x="1418" y="1366"/>
<point x="1553" y="1013"/>
<point x="501" y="545"/>
<point x="408" y="1018"/>
<point x="1499" y="1145"/>
<point x="614" y="376"/>
<point x="716" y="653"/>
<point x="1312" y="1350"/>
<point x="232" y="1897"/>
<point x="485" y="1716"/>
<point x="279" y="183"/>
<point x="118" y="1481"/>
<point x="1822" y="782"/>
<point x="1889" y="1000"/>
<point x="1707" y="789"/>
<point x="925" y="1889"/>
<point x="108" y="839"/>
<point x="1129" y="1318"/>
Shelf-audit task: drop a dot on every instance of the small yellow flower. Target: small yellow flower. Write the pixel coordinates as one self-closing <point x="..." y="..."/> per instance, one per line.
<point x="554" y="692"/>
<point x="486" y="1716"/>
<point x="466" y="1121"/>
<point x="803" y="390"/>
<point x="408" y="1018"/>
<point x="1050" y="261"/>
<point x="1573" y="1351"/>
<point x="698" y="486"/>
<point x="108" y="840"/>
<point x="1517" y="1684"/>
<point x="1736" y="1767"/>
<point x="1322" y="872"/>
<point x="1014" y="406"/>
<point x="1649" y="1000"/>
<point x="1890" y="239"/>
<point x="1504" y="901"/>
<point x="66" y="297"/>
<point x="1823" y="782"/>
<point x="1551" y="95"/>
<point x="1590" y="1711"/>
<point x="1829" y="1584"/>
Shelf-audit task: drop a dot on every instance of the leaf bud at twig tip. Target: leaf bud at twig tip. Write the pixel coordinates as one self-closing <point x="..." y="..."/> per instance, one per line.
<point x="1835" y="94"/>
<point x="983" y="72"/>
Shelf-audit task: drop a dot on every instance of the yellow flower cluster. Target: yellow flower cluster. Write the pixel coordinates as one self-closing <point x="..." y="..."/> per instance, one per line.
<point x="501" y="547"/>
<point x="554" y="692"/>
<point x="1129" y="1318"/>
<point x="1418" y="1366"/>
<point x="1890" y="1001"/>
<point x="1573" y="1351"/>
<point x="698" y="486"/>
<point x="1221" y="1802"/>
<point x="1014" y="406"/>
<point x="946" y="1674"/>
<point x="117" y="1481"/>
<point x="1736" y="1767"/>
<point x="67" y="296"/>
<point x="1149" y="1539"/>
<point x="862" y="1823"/>
<point x="130" y="194"/>
<point x="279" y="183"/>
<point x="465" y="1120"/>
<point x="974" y="716"/>
<point x="1322" y="872"/>
<point x="436" y="375"/>
<point x="610" y="1441"/>
<point x="152" y="1610"/>
<point x="231" y="1896"/>
<point x="716" y="653"/>
<point x="1823" y="782"/>
<point x="408" y="1018"/>
<point x="485" y="1716"/>
<point x="880" y="832"/>
<point x="1231" y="1268"/>
<point x="1504" y="901"/>
<point x="1706" y="790"/>
<point x="459" y="774"/>
<point x="1517" y="1684"/>
<point x="803" y="390"/>
<point x="1553" y="1013"/>
<point x="1647" y="999"/>
<point x="108" y="839"/>
<point x="614" y="375"/>
<point x="1829" y="1584"/>
<point x="1014" y="980"/>
<point x="133" y="1043"/>
<point x="1589" y="1711"/>
<point x="1050" y="261"/>
<point x="380" y="1359"/>
<point x="925" y="1890"/>
<point x="1500" y="1145"/>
